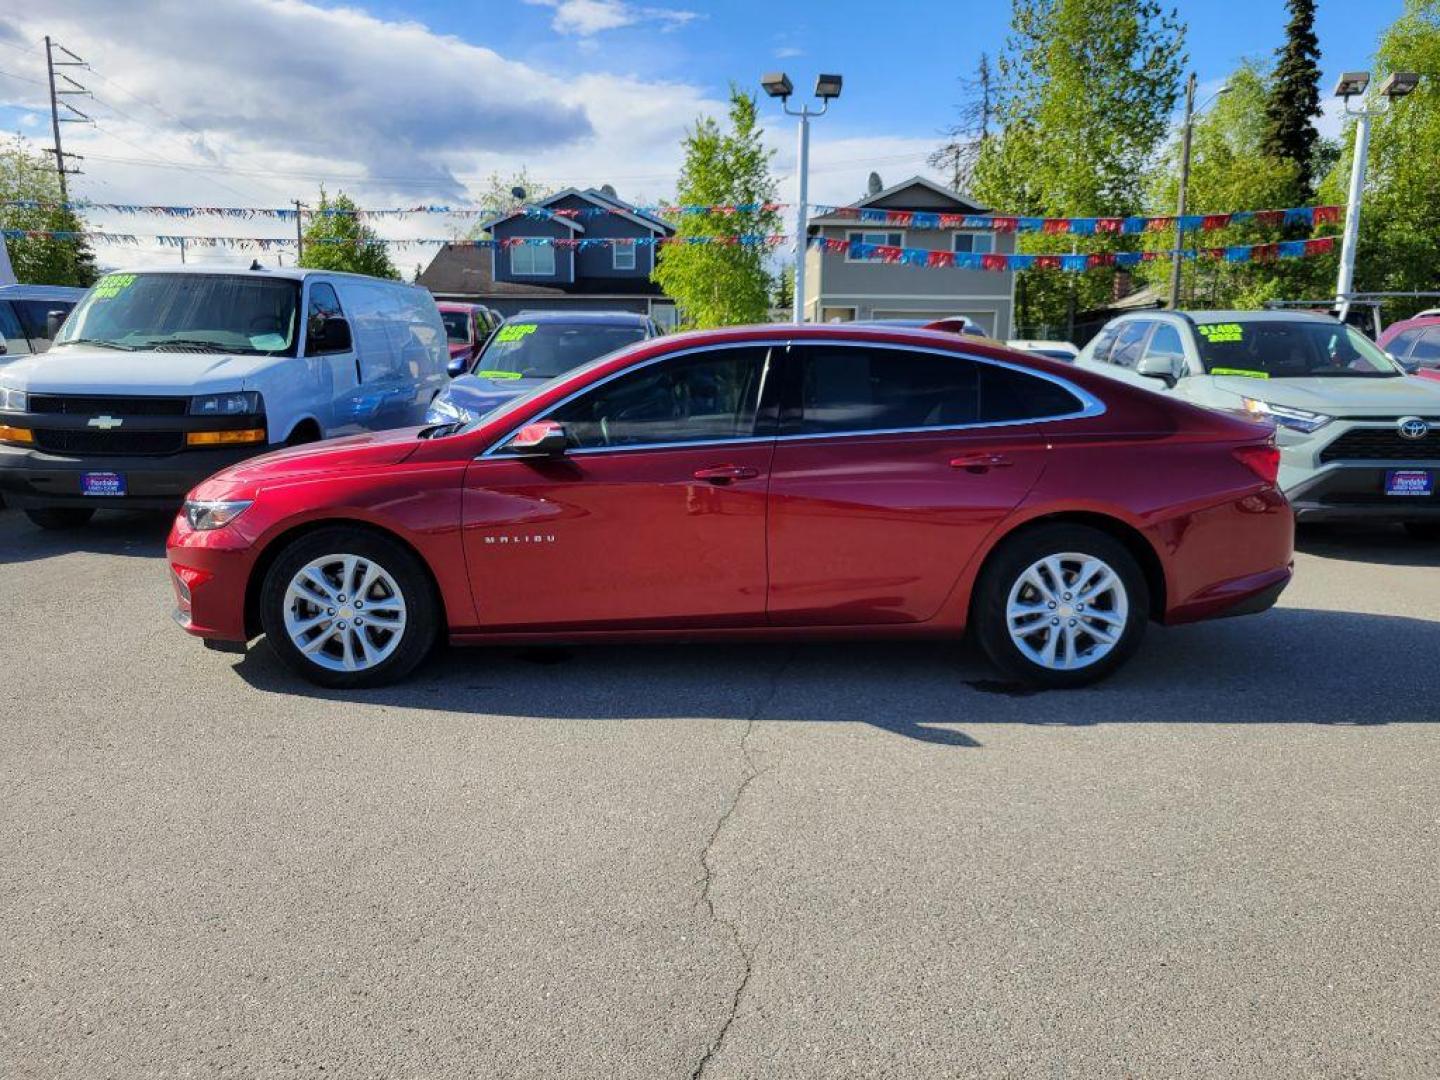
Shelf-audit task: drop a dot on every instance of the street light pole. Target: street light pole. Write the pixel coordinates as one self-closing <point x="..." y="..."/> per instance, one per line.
<point x="1185" y="139"/>
<point x="827" y="87"/>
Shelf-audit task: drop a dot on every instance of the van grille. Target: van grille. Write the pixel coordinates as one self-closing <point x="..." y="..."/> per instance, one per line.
<point x="110" y="442"/>
<point x="1382" y="444"/>
<point x="74" y="405"/>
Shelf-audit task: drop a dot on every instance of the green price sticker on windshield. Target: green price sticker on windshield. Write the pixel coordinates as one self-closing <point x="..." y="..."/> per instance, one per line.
<point x="515" y="332"/>
<point x="112" y="285"/>
<point x="1217" y="333"/>
<point x="1244" y="373"/>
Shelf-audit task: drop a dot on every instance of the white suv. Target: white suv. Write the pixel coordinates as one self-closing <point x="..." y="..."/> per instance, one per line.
<point x="160" y="378"/>
<point x="1359" y="439"/>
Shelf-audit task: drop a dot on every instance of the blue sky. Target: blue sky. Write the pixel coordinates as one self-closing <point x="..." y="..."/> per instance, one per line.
<point x="255" y="102"/>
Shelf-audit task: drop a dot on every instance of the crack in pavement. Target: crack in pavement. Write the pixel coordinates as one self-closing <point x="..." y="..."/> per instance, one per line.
<point x="708" y="881"/>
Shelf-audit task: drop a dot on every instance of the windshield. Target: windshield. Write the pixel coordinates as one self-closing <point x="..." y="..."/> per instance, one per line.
<point x="1269" y="349"/>
<point x="521" y="350"/>
<point x="457" y="326"/>
<point x="231" y="313"/>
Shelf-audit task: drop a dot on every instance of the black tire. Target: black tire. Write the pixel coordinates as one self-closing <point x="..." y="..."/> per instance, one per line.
<point x="1423" y="530"/>
<point x="61" y="517"/>
<point x="423" y="611"/>
<point x="1006" y="566"/>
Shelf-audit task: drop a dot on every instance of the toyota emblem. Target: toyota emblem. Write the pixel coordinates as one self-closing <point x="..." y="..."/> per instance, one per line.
<point x="1412" y="427"/>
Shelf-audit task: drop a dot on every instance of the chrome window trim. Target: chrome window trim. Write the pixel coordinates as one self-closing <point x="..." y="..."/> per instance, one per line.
<point x="1090" y="404"/>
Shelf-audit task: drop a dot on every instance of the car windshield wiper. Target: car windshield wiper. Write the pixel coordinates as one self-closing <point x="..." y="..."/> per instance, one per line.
<point x="98" y="341"/>
<point x="188" y="343"/>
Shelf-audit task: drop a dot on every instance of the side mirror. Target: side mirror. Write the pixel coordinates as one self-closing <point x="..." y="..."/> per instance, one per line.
<point x="458" y="365"/>
<point x="329" y="335"/>
<point x="1166" y="366"/>
<point x="542" y="437"/>
<point x="53" y="321"/>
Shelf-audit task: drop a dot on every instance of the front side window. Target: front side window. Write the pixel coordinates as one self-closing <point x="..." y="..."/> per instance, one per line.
<point x="701" y="397"/>
<point x="1165" y="341"/>
<point x="533" y="259"/>
<point x="1426" y="353"/>
<point x="16" y="343"/>
<point x="457" y="327"/>
<point x="1130" y="343"/>
<point x="857" y="390"/>
<point x="35" y="318"/>
<point x="229" y="313"/>
<point x="1281" y="349"/>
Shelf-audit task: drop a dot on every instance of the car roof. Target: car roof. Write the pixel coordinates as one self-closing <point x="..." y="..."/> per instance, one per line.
<point x="581" y="318"/>
<point x="1215" y="315"/>
<point x="40" y="292"/>
<point x="291" y="273"/>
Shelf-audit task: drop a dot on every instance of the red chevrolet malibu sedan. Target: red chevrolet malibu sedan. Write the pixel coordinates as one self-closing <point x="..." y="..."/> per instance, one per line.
<point x="774" y="481"/>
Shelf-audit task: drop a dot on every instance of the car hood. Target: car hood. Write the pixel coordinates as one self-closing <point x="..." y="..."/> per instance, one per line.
<point x="478" y="395"/>
<point x="373" y="450"/>
<point x="1340" y="396"/>
<point x="75" y="369"/>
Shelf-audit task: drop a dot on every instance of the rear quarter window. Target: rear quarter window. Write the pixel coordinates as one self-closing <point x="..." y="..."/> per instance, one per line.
<point x="1008" y="395"/>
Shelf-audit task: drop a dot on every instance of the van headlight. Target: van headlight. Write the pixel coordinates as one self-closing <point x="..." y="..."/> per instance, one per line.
<point x="14" y="400"/>
<point x="240" y="403"/>
<point x="1285" y="416"/>
<point x="444" y="411"/>
<point x="206" y="514"/>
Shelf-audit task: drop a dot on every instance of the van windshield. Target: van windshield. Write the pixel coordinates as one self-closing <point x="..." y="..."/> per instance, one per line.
<point x="1276" y="349"/>
<point x="223" y="313"/>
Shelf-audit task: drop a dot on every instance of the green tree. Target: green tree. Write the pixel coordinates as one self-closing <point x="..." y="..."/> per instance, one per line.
<point x="1229" y="170"/>
<point x="1399" y="246"/>
<point x="1294" y="99"/>
<point x="722" y="284"/>
<point x="339" y="240"/>
<point x="1085" y="90"/>
<point x="784" y="288"/>
<point x="496" y="192"/>
<point x="26" y="174"/>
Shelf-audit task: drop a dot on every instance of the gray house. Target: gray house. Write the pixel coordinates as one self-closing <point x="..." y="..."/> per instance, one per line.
<point x="838" y="288"/>
<point x="611" y="275"/>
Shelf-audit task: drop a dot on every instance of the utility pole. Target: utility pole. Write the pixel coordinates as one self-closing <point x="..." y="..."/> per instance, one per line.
<point x="1184" y="185"/>
<point x="299" y="231"/>
<point x="74" y="89"/>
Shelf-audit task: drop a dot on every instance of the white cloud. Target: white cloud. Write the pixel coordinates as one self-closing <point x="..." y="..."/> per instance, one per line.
<point x="582" y="18"/>
<point x="785" y="52"/>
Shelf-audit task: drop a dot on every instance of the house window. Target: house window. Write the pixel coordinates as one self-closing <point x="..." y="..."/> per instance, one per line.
<point x="624" y="254"/>
<point x="888" y="239"/>
<point x="973" y="243"/>
<point x="533" y="259"/>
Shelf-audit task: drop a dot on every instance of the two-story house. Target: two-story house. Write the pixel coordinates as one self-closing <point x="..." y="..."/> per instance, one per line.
<point x="838" y="287"/>
<point x="512" y="275"/>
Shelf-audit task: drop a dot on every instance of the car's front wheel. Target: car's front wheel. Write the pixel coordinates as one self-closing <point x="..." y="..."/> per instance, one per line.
<point x="348" y="607"/>
<point x="1060" y="606"/>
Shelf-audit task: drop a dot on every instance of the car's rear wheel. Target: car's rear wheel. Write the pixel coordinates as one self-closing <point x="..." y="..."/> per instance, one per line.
<point x="345" y="607"/>
<point x="60" y="517"/>
<point x="1423" y="530"/>
<point x="1060" y="606"/>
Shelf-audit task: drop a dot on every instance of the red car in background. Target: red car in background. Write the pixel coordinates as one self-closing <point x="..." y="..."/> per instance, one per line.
<point x="466" y="328"/>
<point x="756" y="482"/>
<point x="1415" y="344"/>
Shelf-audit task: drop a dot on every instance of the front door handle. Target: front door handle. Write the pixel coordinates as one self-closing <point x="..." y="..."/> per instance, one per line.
<point x="981" y="461"/>
<point x="723" y="474"/>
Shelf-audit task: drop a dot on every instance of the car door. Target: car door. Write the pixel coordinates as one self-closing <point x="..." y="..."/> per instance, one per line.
<point x="653" y="518"/>
<point x="332" y="371"/>
<point x="892" y="467"/>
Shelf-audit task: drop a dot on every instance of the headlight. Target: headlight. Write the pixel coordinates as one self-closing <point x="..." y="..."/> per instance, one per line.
<point x="245" y="403"/>
<point x="444" y="411"/>
<point x="213" y="514"/>
<point x="1285" y="416"/>
<point x="13" y="400"/>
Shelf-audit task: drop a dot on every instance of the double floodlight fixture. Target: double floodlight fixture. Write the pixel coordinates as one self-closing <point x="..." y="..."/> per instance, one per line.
<point x="778" y="85"/>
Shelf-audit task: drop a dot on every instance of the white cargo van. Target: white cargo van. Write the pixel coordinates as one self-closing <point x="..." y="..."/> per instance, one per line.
<point x="161" y="377"/>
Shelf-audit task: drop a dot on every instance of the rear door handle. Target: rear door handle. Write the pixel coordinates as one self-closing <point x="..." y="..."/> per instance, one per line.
<point x="981" y="461"/>
<point x="723" y="474"/>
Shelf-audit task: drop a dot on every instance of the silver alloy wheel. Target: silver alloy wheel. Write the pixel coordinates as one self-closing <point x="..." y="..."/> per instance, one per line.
<point x="1067" y="611"/>
<point x="344" y="612"/>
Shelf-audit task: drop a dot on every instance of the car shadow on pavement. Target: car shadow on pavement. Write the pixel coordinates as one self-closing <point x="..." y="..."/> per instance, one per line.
<point x="139" y="534"/>
<point x="1390" y="546"/>
<point x="1288" y="666"/>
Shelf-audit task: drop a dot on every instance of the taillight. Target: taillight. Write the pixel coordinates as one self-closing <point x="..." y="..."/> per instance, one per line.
<point x="1263" y="460"/>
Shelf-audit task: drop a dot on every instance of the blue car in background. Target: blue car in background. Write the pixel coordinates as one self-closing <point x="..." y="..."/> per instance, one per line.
<point x="531" y="348"/>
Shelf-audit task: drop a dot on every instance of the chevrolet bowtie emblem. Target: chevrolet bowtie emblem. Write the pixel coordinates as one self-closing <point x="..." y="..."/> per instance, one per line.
<point x="105" y="423"/>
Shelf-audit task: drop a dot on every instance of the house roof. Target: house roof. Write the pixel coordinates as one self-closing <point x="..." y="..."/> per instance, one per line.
<point x="960" y="204"/>
<point x="632" y="212"/>
<point x="596" y="198"/>
<point x="568" y="222"/>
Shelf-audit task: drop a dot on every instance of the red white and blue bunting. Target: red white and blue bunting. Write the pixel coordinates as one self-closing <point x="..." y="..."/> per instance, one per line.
<point x="1307" y="216"/>
<point x="857" y="251"/>
<point x="268" y="243"/>
<point x="291" y="213"/>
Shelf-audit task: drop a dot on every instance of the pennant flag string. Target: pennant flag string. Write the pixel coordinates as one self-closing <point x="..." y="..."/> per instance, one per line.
<point x="267" y="243"/>
<point x="859" y="251"/>
<point x="290" y="213"/>
<point x="1309" y="216"/>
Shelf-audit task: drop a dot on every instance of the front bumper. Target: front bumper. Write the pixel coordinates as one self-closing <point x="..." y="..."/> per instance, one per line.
<point x="34" y="478"/>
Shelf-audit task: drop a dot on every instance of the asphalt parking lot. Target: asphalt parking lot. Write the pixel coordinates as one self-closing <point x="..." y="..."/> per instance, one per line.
<point x="740" y="861"/>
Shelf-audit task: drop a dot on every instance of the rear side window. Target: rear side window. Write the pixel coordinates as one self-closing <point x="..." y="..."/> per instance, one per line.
<point x="1426" y="353"/>
<point x="1104" y="342"/>
<point x="1400" y="343"/>
<point x="1130" y="344"/>
<point x="860" y="389"/>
